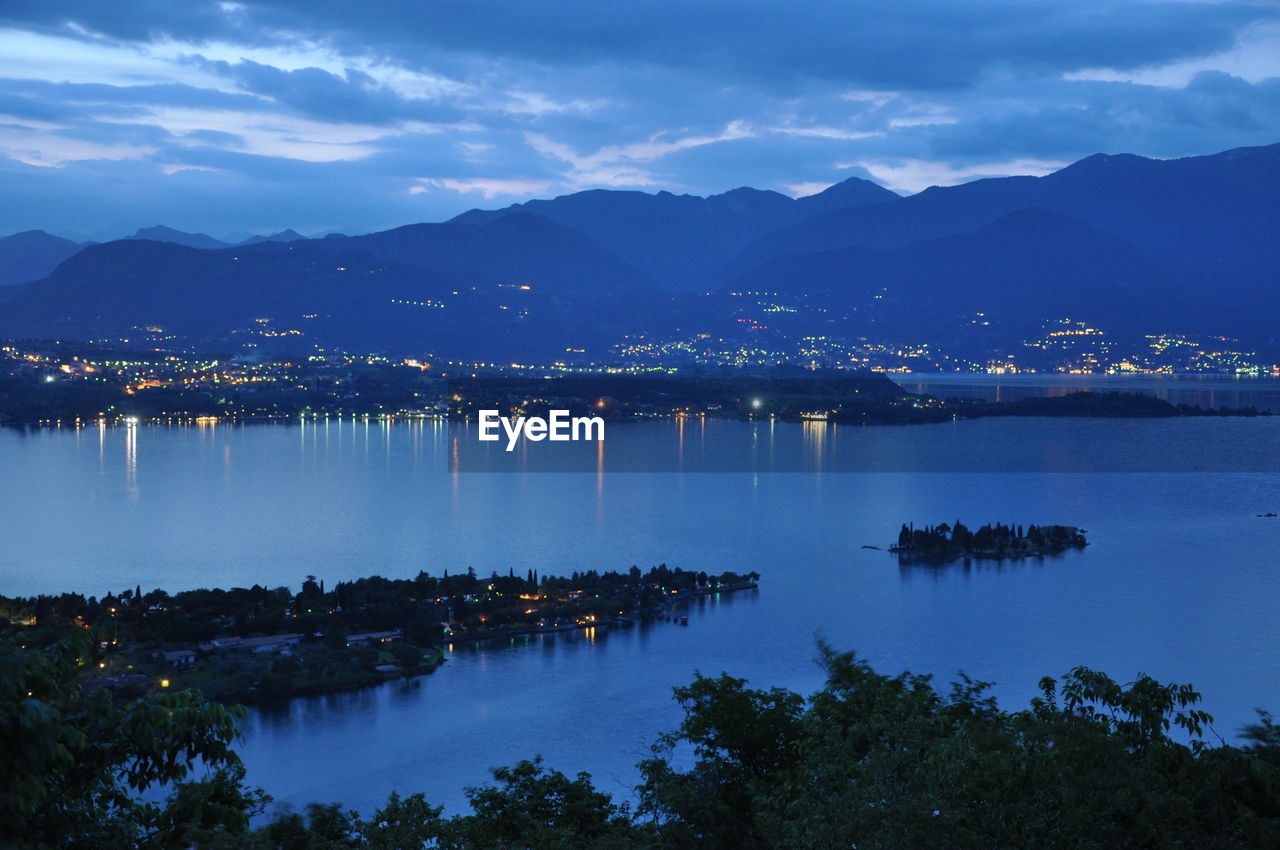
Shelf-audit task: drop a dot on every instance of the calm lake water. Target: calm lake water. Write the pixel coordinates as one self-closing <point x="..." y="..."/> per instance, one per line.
<point x="1207" y="391"/>
<point x="1181" y="580"/>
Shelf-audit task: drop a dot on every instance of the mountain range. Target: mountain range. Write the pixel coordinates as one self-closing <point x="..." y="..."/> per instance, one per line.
<point x="1131" y="244"/>
<point x="32" y="254"/>
<point x="682" y="241"/>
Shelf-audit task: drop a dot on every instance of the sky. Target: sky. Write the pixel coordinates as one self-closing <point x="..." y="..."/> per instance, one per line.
<point x="337" y="116"/>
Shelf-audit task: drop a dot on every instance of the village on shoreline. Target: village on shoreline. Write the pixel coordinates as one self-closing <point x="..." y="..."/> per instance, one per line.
<point x="258" y="645"/>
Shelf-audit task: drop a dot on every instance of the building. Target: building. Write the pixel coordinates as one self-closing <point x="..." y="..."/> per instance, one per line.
<point x="178" y="659"/>
<point x="263" y="643"/>
<point x="370" y="638"/>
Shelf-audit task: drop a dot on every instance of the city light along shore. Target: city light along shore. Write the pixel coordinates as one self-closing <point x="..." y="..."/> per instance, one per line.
<point x="260" y="644"/>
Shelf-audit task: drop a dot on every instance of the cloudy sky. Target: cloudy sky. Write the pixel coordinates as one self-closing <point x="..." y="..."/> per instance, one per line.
<point x="335" y="115"/>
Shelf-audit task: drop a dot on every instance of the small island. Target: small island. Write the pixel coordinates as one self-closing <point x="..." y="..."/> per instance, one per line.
<point x="260" y="644"/>
<point x="944" y="543"/>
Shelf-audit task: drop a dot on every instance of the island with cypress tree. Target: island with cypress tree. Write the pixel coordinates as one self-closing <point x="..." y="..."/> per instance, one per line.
<point x="944" y="543"/>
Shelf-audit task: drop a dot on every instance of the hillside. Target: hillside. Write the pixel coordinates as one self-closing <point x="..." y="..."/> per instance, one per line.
<point x="30" y="255"/>
<point x="678" y="240"/>
<point x="282" y="298"/>
<point x="1128" y="245"/>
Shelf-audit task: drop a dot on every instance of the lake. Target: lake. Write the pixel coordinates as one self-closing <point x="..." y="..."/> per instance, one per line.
<point x="1180" y="580"/>
<point x="1207" y="391"/>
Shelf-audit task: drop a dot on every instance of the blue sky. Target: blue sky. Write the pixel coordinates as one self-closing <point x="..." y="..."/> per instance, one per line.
<point x="332" y="115"/>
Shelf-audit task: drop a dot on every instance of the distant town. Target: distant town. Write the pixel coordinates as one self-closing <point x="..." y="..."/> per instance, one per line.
<point x="1063" y="346"/>
<point x="66" y="383"/>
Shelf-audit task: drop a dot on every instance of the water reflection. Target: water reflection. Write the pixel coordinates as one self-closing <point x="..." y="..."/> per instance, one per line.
<point x="131" y="457"/>
<point x="1207" y="391"/>
<point x="815" y="435"/>
<point x="1180" y="572"/>
<point x="999" y="444"/>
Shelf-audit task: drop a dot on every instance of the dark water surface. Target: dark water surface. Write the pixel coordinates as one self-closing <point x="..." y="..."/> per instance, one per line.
<point x="1207" y="391"/>
<point x="1181" y="581"/>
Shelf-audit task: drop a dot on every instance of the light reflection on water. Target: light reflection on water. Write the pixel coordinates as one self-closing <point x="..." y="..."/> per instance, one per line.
<point x="1179" y="582"/>
<point x="1207" y="391"/>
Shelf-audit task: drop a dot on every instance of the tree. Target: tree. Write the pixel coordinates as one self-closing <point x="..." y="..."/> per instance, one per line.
<point x="741" y="737"/>
<point x="532" y="808"/>
<point x="209" y="813"/>
<point x="326" y="827"/>
<point x="869" y="760"/>
<point x="75" y="762"/>
<point x="889" y="761"/>
<point x="402" y="824"/>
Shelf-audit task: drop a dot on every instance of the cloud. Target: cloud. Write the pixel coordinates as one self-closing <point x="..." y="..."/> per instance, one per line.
<point x="489" y="187"/>
<point x="803" y="190"/>
<point x="621" y="165"/>
<point x="354" y="96"/>
<point x="1067" y="120"/>
<point x="929" y="43"/>
<point x="915" y="175"/>
<point x="53" y="148"/>
<point x="329" y="115"/>
<point x="1252" y="57"/>
<point x="46" y="99"/>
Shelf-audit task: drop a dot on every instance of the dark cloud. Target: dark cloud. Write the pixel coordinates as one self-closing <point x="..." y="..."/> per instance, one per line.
<point x="107" y="133"/>
<point x="926" y="43"/>
<point x="217" y="138"/>
<point x="131" y="20"/>
<point x="106" y="199"/>
<point x="1068" y="120"/>
<point x="355" y="97"/>
<point x="54" y="100"/>
<point x="409" y="104"/>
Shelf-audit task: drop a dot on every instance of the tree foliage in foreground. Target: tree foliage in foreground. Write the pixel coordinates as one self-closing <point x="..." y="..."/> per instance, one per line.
<point x="869" y="761"/>
<point x="76" y="764"/>
<point x="888" y="761"/>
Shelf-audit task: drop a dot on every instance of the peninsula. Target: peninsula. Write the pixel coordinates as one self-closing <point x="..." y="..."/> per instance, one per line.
<point x="261" y="644"/>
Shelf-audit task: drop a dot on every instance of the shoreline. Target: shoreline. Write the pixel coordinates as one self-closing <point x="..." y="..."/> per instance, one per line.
<point x="627" y="619"/>
<point x="259" y="645"/>
<point x="933" y="411"/>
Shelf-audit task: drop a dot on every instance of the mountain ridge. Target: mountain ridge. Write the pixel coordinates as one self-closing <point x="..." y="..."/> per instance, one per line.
<point x="693" y="234"/>
<point x="1149" y="245"/>
<point x="32" y="254"/>
<point x="1162" y="205"/>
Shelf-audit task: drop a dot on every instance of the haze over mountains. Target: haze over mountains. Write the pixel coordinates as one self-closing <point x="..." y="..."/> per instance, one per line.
<point x="160" y="233"/>
<point x="1130" y="244"/>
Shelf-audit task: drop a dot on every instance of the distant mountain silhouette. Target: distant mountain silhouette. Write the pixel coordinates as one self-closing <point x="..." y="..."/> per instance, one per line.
<point x="1017" y="271"/>
<point x="853" y="192"/>
<point x="514" y="249"/>
<point x="678" y="240"/>
<point x="1212" y="219"/>
<point x="1214" y="213"/>
<point x="1130" y="244"/>
<point x="282" y="236"/>
<point x="160" y="233"/>
<point x="520" y="286"/>
<point x="31" y="255"/>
